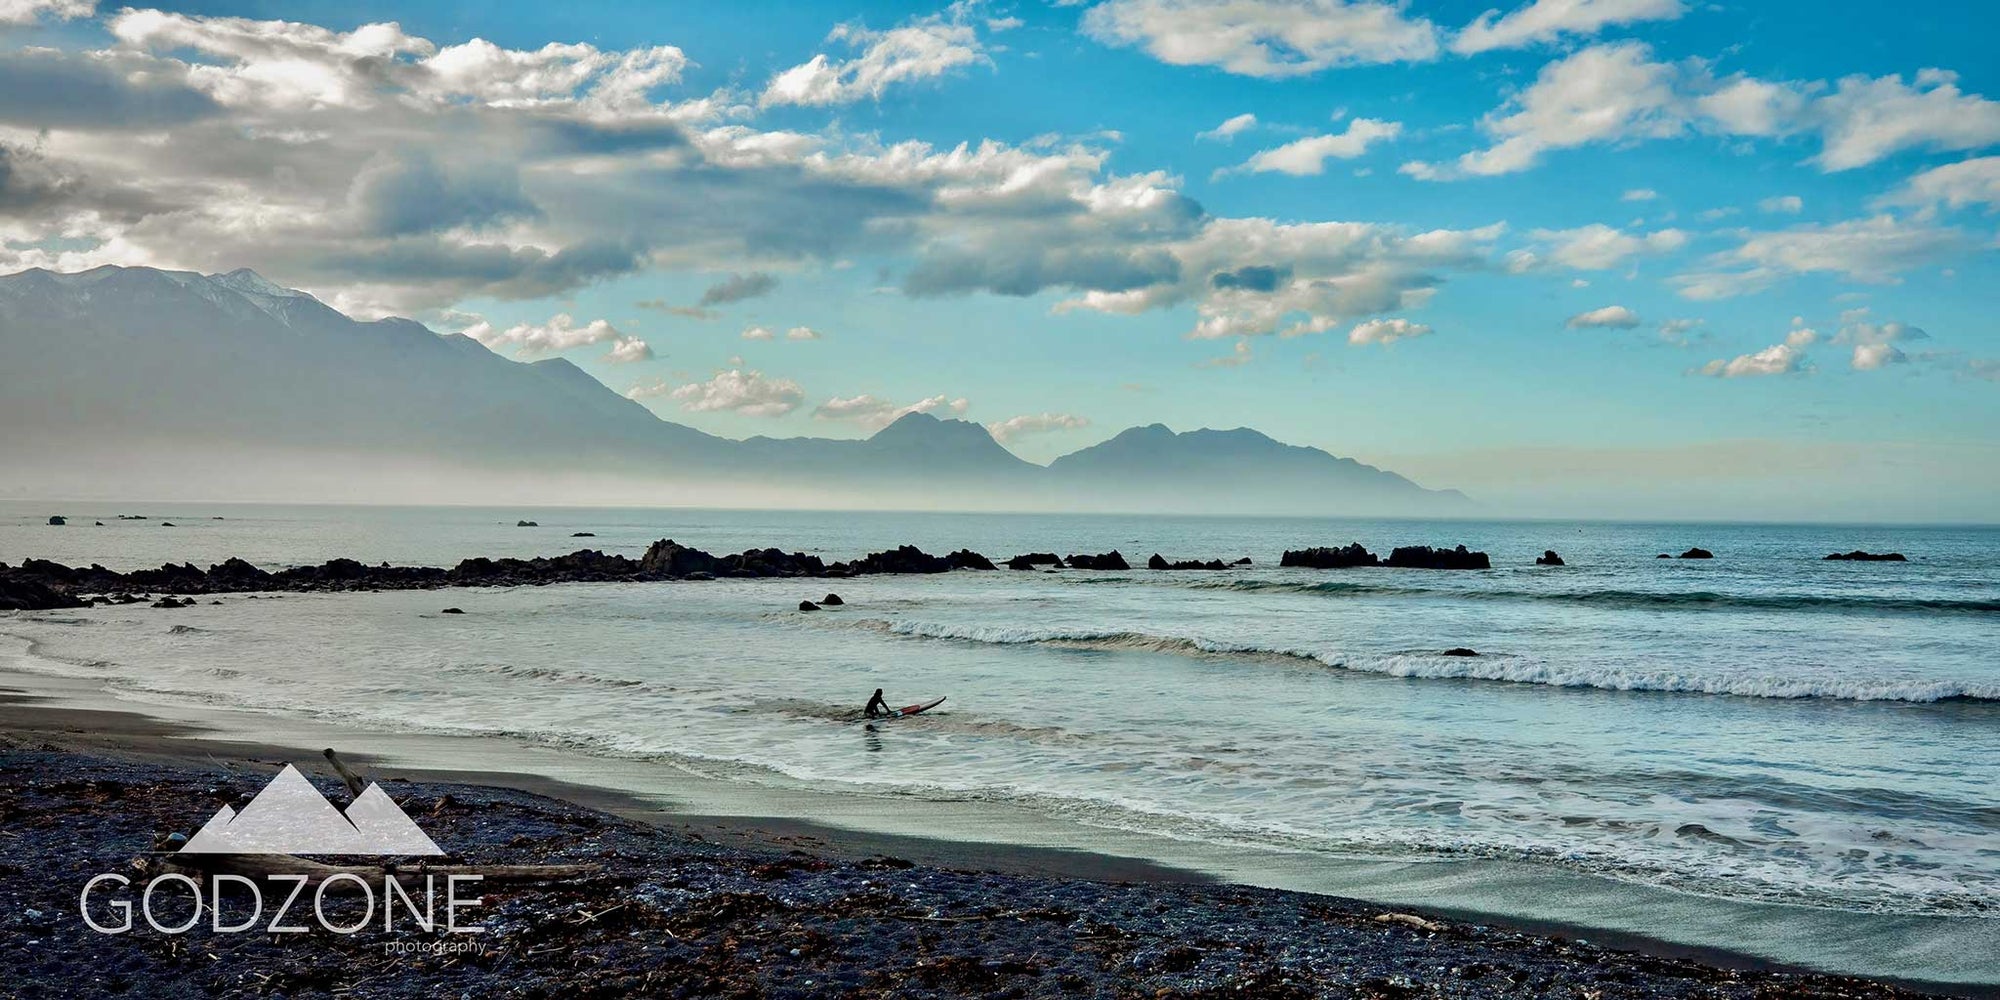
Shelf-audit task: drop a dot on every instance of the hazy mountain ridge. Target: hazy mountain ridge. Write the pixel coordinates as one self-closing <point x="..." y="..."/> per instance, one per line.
<point x="135" y="374"/>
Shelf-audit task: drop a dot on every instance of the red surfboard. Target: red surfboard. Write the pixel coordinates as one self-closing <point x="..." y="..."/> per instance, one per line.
<point x="907" y="710"/>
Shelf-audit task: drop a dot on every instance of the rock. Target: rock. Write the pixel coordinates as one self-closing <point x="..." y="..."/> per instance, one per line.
<point x="169" y="602"/>
<point x="1425" y="557"/>
<point x="1460" y="651"/>
<point x="166" y="524"/>
<point x="100" y="524"/>
<point x="452" y="611"/>
<point x="1859" y="556"/>
<point x="906" y="559"/>
<point x="583" y="534"/>
<point x="831" y="601"/>
<point x="1113" y="560"/>
<point x="1326" y="558"/>
<point x="1697" y="553"/>
<point x="1034" y="559"/>
<point x="1245" y="561"/>
<point x="57" y="520"/>
<point x="666" y="558"/>
<point x="808" y="606"/>
<point x="1663" y="555"/>
<point x="22" y="592"/>
<point x="526" y="524"/>
<point x="968" y="559"/>
<point x="1157" y="562"/>
<point x="1549" y="558"/>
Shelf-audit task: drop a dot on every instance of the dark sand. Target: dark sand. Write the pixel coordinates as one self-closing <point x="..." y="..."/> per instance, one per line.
<point x="705" y="906"/>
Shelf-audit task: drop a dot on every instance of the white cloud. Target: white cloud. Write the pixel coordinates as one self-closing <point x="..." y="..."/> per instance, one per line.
<point x="1547" y="20"/>
<point x="560" y="333"/>
<point x="1238" y="356"/>
<point x="1639" y="194"/>
<point x="1035" y="423"/>
<point x="1955" y="185"/>
<point x="1598" y="247"/>
<point x="1778" y="359"/>
<point x="735" y="390"/>
<point x="1272" y="39"/>
<point x="923" y="49"/>
<point x="1679" y="332"/>
<point x="1873" y="250"/>
<point x="1385" y="331"/>
<point x="1308" y="156"/>
<point x="1230" y="129"/>
<point x="28" y="11"/>
<point x="1607" y="318"/>
<point x="1866" y="119"/>
<point x="801" y="333"/>
<point x="758" y="333"/>
<point x="875" y="413"/>
<point x="1875" y="343"/>
<point x="1789" y="204"/>
<point x="1871" y="357"/>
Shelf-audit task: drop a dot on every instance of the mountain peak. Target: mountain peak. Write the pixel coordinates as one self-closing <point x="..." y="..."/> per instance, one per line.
<point x="245" y="280"/>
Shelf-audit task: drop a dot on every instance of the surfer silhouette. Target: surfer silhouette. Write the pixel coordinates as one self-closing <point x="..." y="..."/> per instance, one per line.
<point x="877" y="707"/>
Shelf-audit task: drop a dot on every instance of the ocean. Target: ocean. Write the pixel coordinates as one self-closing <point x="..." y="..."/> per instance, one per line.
<point x="1764" y="726"/>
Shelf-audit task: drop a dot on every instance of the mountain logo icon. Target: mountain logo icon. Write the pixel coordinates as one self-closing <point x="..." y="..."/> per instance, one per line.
<point x="290" y="816"/>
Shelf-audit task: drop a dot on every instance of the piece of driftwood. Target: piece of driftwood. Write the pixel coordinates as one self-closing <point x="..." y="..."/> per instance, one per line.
<point x="347" y="777"/>
<point x="264" y="866"/>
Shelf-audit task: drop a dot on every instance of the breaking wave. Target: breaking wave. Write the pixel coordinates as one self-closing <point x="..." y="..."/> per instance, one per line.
<point x="1639" y="599"/>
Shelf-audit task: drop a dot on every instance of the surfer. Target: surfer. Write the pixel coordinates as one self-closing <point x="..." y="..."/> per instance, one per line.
<point x="877" y="707"/>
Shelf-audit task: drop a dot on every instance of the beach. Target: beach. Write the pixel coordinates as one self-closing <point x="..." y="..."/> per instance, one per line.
<point x="1763" y="759"/>
<point x="693" y="906"/>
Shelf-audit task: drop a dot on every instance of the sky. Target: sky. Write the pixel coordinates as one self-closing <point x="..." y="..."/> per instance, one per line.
<point x="1559" y="254"/>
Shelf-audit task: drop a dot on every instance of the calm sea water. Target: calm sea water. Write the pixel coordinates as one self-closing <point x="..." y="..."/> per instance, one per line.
<point x="1765" y="725"/>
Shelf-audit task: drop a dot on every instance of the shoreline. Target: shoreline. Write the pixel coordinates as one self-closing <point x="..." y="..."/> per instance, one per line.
<point x="70" y="717"/>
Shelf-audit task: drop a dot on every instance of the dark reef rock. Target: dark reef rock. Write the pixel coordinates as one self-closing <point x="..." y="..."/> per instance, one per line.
<point x="526" y="524"/>
<point x="1697" y="553"/>
<point x="901" y="559"/>
<point x="166" y="524"/>
<point x="1663" y="555"/>
<point x="1859" y="556"/>
<point x="968" y="559"/>
<point x="1425" y="557"/>
<point x="1460" y="651"/>
<point x="1549" y="558"/>
<point x="831" y="601"/>
<point x="452" y="611"/>
<point x="1160" y="562"/>
<point x="1034" y="559"/>
<point x="1322" y="557"/>
<point x="22" y="592"/>
<point x="1245" y="561"/>
<point x="169" y="602"/>
<point x="1110" y="560"/>
<point x="57" y="520"/>
<point x="808" y="606"/>
<point x="583" y="534"/>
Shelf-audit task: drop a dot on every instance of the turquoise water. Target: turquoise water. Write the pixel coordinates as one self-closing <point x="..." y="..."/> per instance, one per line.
<point x="1762" y="726"/>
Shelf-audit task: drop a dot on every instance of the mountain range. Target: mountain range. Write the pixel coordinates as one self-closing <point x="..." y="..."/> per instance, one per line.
<point x="140" y="382"/>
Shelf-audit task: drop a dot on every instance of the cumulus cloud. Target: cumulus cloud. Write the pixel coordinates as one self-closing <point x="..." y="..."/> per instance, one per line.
<point x="1547" y="20"/>
<point x="1777" y="359"/>
<point x="1955" y="185"/>
<point x="738" y="287"/>
<point x="1598" y="247"/>
<point x="1271" y="39"/>
<point x="1308" y="156"/>
<point x="1034" y="423"/>
<point x="1385" y="331"/>
<point x="734" y="390"/>
<point x="1229" y="129"/>
<point x="561" y="333"/>
<point x="758" y="333"/>
<point x="874" y="413"/>
<point x="802" y="333"/>
<point x="29" y="11"/>
<point x="1639" y="194"/>
<point x="1874" y="344"/>
<point x="1607" y="318"/>
<point x="926" y="48"/>
<point x="1789" y="204"/>
<point x="1873" y="250"/>
<point x="1617" y="92"/>
<point x="1680" y="332"/>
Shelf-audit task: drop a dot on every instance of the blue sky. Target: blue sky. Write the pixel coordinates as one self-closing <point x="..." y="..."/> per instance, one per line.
<point x="1729" y="257"/>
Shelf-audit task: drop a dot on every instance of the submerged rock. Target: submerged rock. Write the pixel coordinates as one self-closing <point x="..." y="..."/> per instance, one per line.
<point x="57" y="520"/>
<point x="1113" y="560"/>
<point x="1460" y="651"/>
<point x="1859" y="556"/>
<point x="1549" y="558"/>
<point x="1697" y="553"/>
<point x="1425" y="557"/>
<point x="1160" y="562"/>
<point x="452" y="611"/>
<point x="1346" y="557"/>
<point x="583" y="534"/>
<point x="808" y="606"/>
<point x="1034" y="559"/>
<point x="832" y="601"/>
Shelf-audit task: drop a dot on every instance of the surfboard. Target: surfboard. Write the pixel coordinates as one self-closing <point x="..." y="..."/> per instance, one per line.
<point x="906" y="711"/>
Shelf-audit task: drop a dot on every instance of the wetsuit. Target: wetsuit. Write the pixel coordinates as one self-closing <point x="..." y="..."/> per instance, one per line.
<point x="877" y="707"/>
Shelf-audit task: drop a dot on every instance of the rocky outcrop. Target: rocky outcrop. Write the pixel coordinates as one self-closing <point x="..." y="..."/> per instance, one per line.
<point x="808" y="606"/>
<point x="583" y="534"/>
<point x="526" y="524"/>
<point x="1159" y="562"/>
<point x="452" y="611"/>
<point x="1322" y="557"/>
<point x="1460" y="651"/>
<point x="968" y="559"/>
<point x="57" y="520"/>
<point x="1697" y="553"/>
<point x="22" y="592"/>
<point x="901" y="559"/>
<point x="1245" y="561"/>
<point x="1109" y="560"/>
<point x="1549" y="558"/>
<point x="1425" y="557"/>
<point x="831" y="601"/>
<point x="1859" y="556"/>
<point x="1034" y="559"/>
